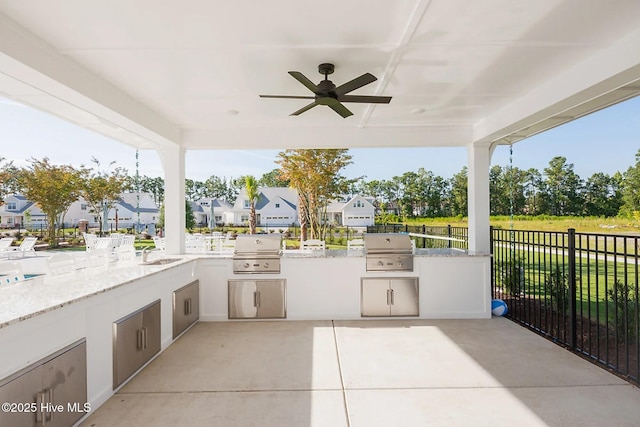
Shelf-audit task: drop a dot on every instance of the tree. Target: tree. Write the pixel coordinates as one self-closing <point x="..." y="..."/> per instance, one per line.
<point x="631" y="189"/>
<point x="564" y="188"/>
<point x="53" y="188"/>
<point x="8" y="179"/>
<point x="273" y="179"/>
<point x="215" y="187"/>
<point x="189" y="218"/>
<point x="459" y="196"/>
<point x="315" y="173"/>
<point x="602" y="195"/>
<point x="101" y="189"/>
<point x="253" y="194"/>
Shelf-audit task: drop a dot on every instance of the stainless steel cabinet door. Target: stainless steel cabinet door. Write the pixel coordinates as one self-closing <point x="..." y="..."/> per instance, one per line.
<point x="186" y="303"/>
<point x="51" y="392"/>
<point x="136" y="338"/>
<point x="65" y="383"/>
<point x="404" y="296"/>
<point x="271" y="299"/>
<point x="243" y="299"/>
<point x="127" y="347"/>
<point x="264" y="299"/>
<point x="375" y="297"/>
<point x="151" y="320"/>
<point x="22" y="390"/>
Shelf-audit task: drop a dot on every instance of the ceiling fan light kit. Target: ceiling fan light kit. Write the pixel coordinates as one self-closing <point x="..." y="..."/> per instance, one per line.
<point x="326" y="93"/>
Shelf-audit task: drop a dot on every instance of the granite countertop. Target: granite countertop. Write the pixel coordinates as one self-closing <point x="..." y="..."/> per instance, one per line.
<point x="41" y="294"/>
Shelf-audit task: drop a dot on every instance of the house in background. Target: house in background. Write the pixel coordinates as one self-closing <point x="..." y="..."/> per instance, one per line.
<point x="18" y="211"/>
<point x="358" y="211"/>
<point x="221" y="211"/>
<point x="275" y="207"/>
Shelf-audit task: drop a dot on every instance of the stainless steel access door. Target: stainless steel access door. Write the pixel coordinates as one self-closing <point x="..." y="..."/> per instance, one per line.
<point x="136" y="339"/>
<point x="263" y="299"/>
<point x="404" y="296"/>
<point x="374" y="297"/>
<point x="383" y="297"/>
<point x="186" y="302"/>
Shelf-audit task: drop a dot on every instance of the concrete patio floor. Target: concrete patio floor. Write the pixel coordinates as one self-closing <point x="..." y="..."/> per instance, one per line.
<point x="369" y="374"/>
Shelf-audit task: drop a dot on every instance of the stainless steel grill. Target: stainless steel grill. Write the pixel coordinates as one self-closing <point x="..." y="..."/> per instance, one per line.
<point x="388" y="252"/>
<point x="257" y="253"/>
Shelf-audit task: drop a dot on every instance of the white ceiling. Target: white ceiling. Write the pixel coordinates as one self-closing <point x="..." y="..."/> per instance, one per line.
<point x="151" y="72"/>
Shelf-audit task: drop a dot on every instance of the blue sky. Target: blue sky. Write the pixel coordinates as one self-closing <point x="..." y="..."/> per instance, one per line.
<point x="605" y="141"/>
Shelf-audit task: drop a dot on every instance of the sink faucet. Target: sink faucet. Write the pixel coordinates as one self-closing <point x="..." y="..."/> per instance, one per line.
<point x="145" y="253"/>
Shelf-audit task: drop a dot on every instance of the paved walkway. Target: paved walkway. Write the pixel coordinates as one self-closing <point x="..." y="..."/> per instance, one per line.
<point x="372" y="373"/>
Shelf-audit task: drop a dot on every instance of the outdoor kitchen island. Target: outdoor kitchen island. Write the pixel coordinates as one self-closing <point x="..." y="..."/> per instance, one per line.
<point x="327" y="285"/>
<point x="43" y="316"/>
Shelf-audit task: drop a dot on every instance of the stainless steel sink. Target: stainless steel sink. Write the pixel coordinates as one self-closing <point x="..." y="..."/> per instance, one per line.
<point x="161" y="261"/>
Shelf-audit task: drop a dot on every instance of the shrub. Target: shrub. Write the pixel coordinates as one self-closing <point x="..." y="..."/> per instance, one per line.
<point x="623" y="313"/>
<point x="556" y="286"/>
<point x="510" y="275"/>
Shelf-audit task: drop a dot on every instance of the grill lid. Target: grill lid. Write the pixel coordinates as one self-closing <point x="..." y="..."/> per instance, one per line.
<point x="257" y="245"/>
<point x="387" y="243"/>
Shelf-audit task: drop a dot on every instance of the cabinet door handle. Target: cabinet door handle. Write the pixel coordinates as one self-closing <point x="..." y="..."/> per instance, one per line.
<point x="44" y="399"/>
<point x="40" y="400"/>
<point x="258" y="293"/>
<point x="49" y="392"/>
<point x="392" y="296"/>
<point x="144" y="341"/>
<point x="140" y="339"/>
<point x="388" y="296"/>
<point x="187" y="306"/>
<point x="255" y="299"/>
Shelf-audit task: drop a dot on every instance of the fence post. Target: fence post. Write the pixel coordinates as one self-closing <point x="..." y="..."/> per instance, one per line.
<point x="493" y="261"/>
<point x="424" y="239"/>
<point x="572" y="288"/>
<point x="449" y="234"/>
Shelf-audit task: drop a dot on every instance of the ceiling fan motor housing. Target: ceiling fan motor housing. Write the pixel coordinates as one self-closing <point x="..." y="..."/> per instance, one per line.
<point x="326" y="68"/>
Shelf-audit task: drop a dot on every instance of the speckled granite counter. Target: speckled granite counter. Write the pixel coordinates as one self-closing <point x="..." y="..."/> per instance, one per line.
<point x="29" y="298"/>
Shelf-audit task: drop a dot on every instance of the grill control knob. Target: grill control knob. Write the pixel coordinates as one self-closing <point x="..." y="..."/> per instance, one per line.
<point x="246" y="265"/>
<point x="399" y="263"/>
<point x="380" y="263"/>
<point x="266" y="265"/>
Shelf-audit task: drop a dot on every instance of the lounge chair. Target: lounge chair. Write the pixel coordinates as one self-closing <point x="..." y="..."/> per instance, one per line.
<point x="28" y="245"/>
<point x="5" y="243"/>
<point x="90" y="241"/>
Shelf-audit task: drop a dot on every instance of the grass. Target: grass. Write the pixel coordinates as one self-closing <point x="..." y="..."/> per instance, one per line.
<point x="544" y="223"/>
<point x="594" y="278"/>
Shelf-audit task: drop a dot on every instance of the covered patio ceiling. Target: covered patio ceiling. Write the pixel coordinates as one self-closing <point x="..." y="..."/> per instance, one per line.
<point x="155" y="74"/>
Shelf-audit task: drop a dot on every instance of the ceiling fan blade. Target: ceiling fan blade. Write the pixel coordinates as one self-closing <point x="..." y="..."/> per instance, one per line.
<point x="356" y="83"/>
<point x="340" y="109"/>
<point x="305" y="81"/>
<point x="365" y="99"/>
<point x="303" y="109"/>
<point x="287" y="96"/>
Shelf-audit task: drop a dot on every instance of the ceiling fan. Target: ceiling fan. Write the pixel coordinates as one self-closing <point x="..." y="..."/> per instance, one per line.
<point x="326" y="93"/>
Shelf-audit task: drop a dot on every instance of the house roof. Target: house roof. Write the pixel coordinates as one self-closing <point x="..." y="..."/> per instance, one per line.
<point x="130" y="201"/>
<point x="268" y="194"/>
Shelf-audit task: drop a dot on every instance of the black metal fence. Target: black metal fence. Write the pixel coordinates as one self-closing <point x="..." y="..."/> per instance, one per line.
<point x="579" y="289"/>
<point x="438" y="236"/>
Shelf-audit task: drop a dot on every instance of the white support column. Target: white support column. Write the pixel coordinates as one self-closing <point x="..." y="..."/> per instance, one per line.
<point x="479" y="163"/>
<point x="174" y="196"/>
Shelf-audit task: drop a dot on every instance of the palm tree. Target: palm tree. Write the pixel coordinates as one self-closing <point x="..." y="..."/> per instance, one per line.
<point x="253" y="194"/>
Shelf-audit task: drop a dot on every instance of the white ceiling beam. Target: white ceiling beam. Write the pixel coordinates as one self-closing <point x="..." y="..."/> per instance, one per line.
<point x="369" y="137"/>
<point x="30" y="60"/>
<point x="612" y="68"/>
